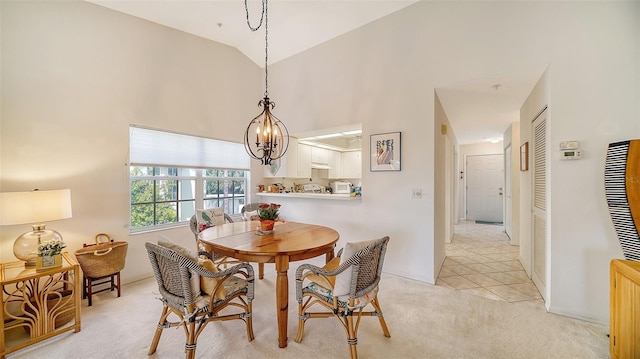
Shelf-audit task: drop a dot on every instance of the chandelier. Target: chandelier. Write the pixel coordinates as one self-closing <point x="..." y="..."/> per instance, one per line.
<point x="271" y="135"/>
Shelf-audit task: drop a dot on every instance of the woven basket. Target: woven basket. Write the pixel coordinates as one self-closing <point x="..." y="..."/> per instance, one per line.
<point x="103" y="258"/>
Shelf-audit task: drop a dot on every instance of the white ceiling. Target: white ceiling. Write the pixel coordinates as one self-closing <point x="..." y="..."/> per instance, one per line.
<point x="294" y="25"/>
<point x="481" y="109"/>
<point x="476" y="110"/>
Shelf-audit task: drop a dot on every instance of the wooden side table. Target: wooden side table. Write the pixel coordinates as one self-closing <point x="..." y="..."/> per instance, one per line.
<point x="38" y="305"/>
<point x="624" y="338"/>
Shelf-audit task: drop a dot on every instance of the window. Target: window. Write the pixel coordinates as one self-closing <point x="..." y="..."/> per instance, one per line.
<point x="224" y="189"/>
<point x="162" y="196"/>
<point x="173" y="174"/>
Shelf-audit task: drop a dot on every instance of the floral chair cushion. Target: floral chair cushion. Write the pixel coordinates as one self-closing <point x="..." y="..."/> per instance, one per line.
<point x="231" y="285"/>
<point x="343" y="301"/>
<point x="209" y="217"/>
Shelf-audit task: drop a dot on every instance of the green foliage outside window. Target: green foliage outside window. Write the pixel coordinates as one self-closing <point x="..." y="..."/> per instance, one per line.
<point x="157" y="198"/>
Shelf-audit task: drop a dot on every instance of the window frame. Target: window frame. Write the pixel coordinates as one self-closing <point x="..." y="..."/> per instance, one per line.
<point x="200" y="197"/>
<point x="229" y="197"/>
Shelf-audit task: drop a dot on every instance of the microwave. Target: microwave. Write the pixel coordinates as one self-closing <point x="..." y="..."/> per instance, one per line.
<point x="340" y="187"/>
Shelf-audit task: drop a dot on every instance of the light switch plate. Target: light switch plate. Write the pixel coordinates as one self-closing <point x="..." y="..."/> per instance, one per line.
<point x="568" y="145"/>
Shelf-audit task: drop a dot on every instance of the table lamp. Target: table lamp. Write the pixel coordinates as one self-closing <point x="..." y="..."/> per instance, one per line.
<point x="34" y="207"/>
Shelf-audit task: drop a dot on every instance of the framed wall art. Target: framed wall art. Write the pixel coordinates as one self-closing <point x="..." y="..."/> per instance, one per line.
<point x="524" y="157"/>
<point x="385" y="152"/>
<point x="274" y="167"/>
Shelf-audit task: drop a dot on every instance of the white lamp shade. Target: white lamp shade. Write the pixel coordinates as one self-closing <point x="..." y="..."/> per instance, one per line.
<point x="34" y="206"/>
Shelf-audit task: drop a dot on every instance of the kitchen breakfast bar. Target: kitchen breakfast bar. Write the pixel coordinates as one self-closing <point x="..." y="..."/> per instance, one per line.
<point x="268" y="197"/>
<point x="317" y="208"/>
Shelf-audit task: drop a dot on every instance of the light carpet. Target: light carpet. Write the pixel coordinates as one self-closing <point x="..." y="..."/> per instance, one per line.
<point x="425" y="321"/>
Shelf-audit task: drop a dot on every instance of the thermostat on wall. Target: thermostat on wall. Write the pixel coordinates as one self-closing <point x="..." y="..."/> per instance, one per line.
<point x="571" y="155"/>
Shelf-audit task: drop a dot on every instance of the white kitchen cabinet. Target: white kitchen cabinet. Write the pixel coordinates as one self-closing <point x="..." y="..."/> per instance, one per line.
<point x="335" y="162"/>
<point x="304" y="161"/>
<point x="287" y="166"/>
<point x="319" y="155"/>
<point x="352" y="164"/>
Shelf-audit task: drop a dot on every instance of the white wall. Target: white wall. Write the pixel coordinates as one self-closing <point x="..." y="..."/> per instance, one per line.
<point x="582" y="238"/>
<point x="342" y="82"/>
<point x="81" y="73"/>
<point x="444" y="180"/>
<point x="74" y="76"/>
<point x="383" y="76"/>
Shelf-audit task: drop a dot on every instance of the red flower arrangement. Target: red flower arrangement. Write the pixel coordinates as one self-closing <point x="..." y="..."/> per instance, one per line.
<point x="268" y="211"/>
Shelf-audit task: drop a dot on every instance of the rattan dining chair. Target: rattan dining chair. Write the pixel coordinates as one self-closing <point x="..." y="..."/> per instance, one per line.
<point x="175" y="272"/>
<point x="249" y="208"/>
<point x="220" y="260"/>
<point x="193" y="224"/>
<point x="344" y="287"/>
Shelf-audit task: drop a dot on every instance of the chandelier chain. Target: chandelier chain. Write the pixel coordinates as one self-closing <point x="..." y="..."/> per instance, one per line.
<point x="264" y="16"/>
<point x="271" y="135"/>
<point x="266" y="46"/>
<point x="246" y="8"/>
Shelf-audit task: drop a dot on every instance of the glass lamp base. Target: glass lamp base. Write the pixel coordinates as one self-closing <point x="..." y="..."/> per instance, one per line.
<point x="25" y="248"/>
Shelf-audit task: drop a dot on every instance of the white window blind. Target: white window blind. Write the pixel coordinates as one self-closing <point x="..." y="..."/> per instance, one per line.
<point x="167" y="149"/>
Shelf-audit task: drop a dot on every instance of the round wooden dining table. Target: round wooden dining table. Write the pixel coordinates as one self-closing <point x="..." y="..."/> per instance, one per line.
<point x="289" y="242"/>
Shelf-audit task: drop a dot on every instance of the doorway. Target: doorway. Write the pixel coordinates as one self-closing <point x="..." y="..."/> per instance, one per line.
<point x="484" y="187"/>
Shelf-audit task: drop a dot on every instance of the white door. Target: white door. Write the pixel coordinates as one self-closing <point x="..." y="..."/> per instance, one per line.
<point x="539" y="202"/>
<point x="507" y="191"/>
<point x="485" y="176"/>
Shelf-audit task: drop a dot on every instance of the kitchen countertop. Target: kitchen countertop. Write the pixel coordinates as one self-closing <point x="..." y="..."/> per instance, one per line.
<point x="342" y="197"/>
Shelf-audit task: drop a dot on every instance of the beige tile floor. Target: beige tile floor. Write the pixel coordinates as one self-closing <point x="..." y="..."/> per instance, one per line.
<point x="480" y="261"/>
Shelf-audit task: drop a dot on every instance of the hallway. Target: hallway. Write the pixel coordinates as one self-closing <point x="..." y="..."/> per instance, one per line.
<point x="480" y="261"/>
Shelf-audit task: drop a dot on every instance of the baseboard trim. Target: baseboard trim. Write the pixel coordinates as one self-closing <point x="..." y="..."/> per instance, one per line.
<point x="579" y="316"/>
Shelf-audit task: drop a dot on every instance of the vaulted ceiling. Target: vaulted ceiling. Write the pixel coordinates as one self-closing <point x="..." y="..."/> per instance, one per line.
<point x="294" y="26"/>
<point x="478" y="110"/>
